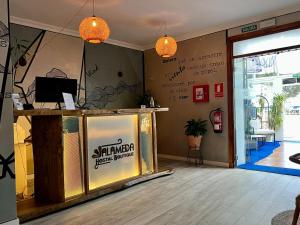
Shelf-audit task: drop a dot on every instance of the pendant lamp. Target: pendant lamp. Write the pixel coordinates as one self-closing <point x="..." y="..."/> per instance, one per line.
<point x="94" y="29"/>
<point x="166" y="46"/>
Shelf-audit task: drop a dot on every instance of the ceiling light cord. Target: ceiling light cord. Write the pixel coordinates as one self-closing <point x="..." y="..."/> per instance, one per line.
<point x="163" y="28"/>
<point x="93" y="8"/>
<point x="166" y="27"/>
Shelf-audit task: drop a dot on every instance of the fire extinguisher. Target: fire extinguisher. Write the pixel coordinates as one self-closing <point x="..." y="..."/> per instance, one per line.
<point x="216" y="119"/>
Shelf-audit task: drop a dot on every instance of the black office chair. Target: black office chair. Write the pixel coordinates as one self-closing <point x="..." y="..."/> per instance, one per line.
<point x="296" y="159"/>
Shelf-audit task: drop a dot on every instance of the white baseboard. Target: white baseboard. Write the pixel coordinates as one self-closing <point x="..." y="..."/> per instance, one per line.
<point x="206" y="162"/>
<point x="13" y="222"/>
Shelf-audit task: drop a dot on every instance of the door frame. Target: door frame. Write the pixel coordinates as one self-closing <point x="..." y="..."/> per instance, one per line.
<point x="230" y="41"/>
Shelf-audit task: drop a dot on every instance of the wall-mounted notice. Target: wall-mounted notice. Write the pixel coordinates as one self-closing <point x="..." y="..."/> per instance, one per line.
<point x="219" y="90"/>
<point x="201" y="93"/>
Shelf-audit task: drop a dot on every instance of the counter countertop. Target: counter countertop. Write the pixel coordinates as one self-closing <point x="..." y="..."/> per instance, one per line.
<point x="51" y="112"/>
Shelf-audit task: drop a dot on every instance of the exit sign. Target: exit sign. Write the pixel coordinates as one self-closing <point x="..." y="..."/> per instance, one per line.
<point x="249" y="28"/>
<point x="296" y="75"/>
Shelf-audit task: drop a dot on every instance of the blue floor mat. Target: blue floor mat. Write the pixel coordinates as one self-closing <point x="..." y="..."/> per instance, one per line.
<point x="270" y="169"/>
<point x="263" y="152"/>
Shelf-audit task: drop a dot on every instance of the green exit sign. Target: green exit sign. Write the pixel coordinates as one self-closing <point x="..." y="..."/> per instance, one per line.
<point x="249" y="28"/>
<point x="296" y="75"/>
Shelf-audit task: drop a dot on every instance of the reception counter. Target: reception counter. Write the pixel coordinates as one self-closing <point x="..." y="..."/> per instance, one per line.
<point x="83" y="154"/>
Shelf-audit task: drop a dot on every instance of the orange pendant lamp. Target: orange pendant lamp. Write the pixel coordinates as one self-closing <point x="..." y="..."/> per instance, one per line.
<point x="94" y="29"/>
<point x="166" y="46"/>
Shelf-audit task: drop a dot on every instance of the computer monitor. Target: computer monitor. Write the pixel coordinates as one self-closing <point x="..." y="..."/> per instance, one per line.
<point x="50" y="89"/>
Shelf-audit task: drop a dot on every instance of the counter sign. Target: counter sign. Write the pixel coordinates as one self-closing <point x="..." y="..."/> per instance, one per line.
<point x="112" y="152"/>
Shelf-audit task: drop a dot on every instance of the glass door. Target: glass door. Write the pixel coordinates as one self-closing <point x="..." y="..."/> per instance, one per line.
<point x="266" y="108"/>
<point x="256" y="83"/>
<point x="239" y="112"/>
<point x="266" y="80"/>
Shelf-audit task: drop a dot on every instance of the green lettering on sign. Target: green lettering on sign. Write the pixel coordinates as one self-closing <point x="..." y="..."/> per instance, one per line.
<point x="296" y="75"/>
<point x="249" y="28"/>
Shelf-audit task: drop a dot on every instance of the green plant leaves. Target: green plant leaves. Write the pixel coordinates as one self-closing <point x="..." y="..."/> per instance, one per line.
<point x="276" y="111"/>
<point x="195" y="127"/>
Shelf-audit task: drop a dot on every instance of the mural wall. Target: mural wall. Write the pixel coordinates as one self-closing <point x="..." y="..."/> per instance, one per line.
<point x="7" y="176"/>
<point x="199" y="61"/>
<point x="114" y="76"/>
<point x="108" y="76"/>
<point x="44" y="54"/>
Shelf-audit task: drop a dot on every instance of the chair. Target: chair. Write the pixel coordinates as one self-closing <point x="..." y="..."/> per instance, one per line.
<point x="296" y="159"/>
<point x="259" y="132"/>
<point x="257" y="124"/>
<point x="297" y="211"/>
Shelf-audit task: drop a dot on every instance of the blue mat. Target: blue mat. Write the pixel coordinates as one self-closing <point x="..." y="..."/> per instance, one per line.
<point x="263" y="152"/>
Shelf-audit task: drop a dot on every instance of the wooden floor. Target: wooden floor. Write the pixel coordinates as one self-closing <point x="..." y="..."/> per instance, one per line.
<point x="30" y="209"/>
<point x="192" y="195"/>
<point x="280" y="157"/>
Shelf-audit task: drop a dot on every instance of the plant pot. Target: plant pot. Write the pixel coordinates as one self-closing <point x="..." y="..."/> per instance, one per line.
<point x="194" y="142"/>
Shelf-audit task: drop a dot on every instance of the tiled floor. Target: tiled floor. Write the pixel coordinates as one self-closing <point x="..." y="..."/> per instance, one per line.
<point x="280" y="157"/>
<point x="192" y="195"/>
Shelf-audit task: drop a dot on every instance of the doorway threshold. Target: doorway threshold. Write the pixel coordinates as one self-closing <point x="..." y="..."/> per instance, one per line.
<point x="270" y="169"/>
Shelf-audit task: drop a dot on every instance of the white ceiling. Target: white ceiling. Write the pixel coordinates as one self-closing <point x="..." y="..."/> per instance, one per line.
<point x="138" y="23"/>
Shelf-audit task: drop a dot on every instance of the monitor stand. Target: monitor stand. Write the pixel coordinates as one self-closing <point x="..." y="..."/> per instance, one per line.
<point x="59" y="106"/>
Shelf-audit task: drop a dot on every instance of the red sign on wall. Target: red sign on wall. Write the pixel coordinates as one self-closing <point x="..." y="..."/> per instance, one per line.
<point x="201" y="93"/>
<point x="219" y="90"/>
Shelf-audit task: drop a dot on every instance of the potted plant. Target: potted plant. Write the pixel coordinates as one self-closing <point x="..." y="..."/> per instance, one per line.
<point x="195" y="129"/>
<point x="277" y="111"/>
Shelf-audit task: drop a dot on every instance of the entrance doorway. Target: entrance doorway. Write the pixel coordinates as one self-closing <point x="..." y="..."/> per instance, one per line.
<point x="267" y="102"/>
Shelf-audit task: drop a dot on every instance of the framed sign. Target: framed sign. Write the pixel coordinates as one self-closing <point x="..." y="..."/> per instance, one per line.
<point x="219" y="90"/>
<point x="201" y="93"/>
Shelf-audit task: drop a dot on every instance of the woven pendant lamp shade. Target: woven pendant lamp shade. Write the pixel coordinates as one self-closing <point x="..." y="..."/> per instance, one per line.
<point x="94" y="30"/>
<point x="166" y="46"/>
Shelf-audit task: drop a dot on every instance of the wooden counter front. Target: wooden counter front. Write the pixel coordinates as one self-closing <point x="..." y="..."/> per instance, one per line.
<point x="48" y="135"/>
<point x="48" y="148"/>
